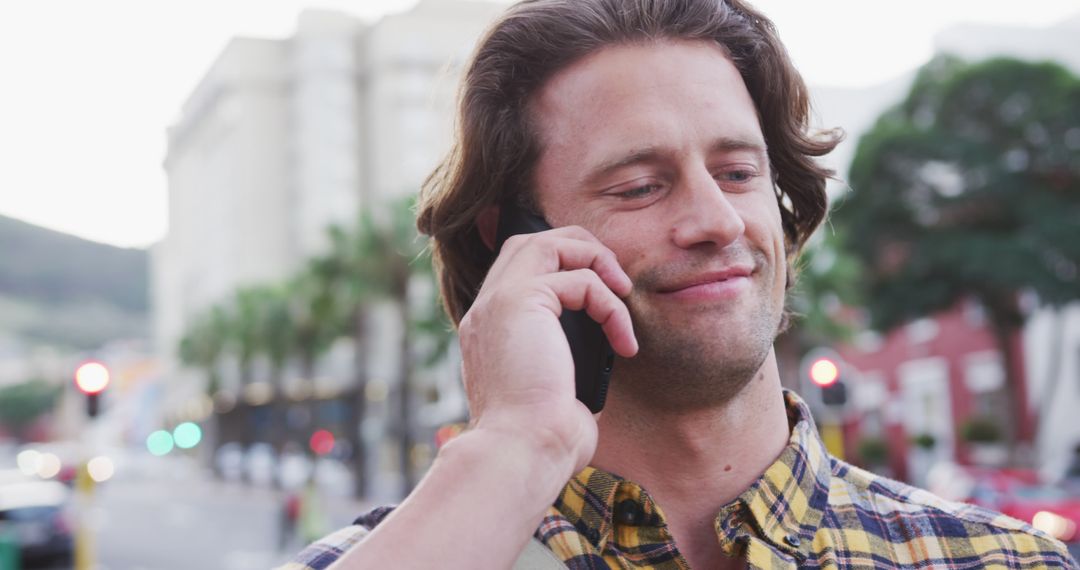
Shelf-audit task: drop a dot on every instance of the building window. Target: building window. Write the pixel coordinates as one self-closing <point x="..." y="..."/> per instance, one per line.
<point x="922" y="330"/>
<point x="974" y="313"/>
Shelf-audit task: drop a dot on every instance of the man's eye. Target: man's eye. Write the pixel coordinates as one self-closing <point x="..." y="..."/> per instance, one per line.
<point x="736" y="176"/>
<point x="638" y="192"/>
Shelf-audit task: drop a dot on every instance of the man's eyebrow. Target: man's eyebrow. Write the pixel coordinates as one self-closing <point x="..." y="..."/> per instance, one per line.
<point x="728" y="144"/>
<point x="653" y="153"/>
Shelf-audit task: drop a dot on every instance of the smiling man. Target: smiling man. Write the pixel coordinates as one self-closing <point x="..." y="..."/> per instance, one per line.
<point x="667" y="143"/>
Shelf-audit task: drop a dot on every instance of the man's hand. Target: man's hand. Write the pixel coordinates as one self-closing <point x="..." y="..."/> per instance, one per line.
<point x="488" y="488"/>
<point x="518" y="371"/>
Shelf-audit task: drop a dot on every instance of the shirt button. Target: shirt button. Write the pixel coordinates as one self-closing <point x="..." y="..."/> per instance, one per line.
<point x="628" y="512"/>
<point x="593" y="535"/>
<point x="792" y="540"/>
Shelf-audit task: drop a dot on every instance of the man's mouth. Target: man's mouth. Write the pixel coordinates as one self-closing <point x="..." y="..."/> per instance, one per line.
<point x="710" y="285"/>
<point x="727" y="276"/>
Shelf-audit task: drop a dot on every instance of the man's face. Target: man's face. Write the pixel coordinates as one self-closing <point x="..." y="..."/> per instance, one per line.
<point x="656" y="149"/>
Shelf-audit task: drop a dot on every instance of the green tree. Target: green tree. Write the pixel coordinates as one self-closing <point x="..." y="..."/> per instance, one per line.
<point x="970" y="188"/>
<point x="313" y="313"/>
<point x="22" y="404"/>
<point x="245" y="331"/>
<point x="827" y="284"/>
<point x="275" y="330"/>
<point x="272" y="335"/>
<point x="819" y="304"/>
<point x="203" y="345"/>
<point x="388" y="256"/>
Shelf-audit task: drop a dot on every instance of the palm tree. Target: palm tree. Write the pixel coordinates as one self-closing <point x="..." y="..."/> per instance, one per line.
<point x="341" y="273"/>
<point x="244" y="330"/>
<point x="273" y="337"/>
<point x="376" y="261"/>
<point x="388" y="254"/>
<point x="203" y="345"/>
<point x="312" y="312"/>
<point x="275" y="331"/>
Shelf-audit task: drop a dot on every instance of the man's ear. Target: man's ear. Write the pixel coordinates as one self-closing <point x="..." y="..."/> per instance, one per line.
<point x="488" y="223"/>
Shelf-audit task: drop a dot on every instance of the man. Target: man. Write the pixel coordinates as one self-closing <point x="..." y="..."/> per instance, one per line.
<point x="667" y="142"/>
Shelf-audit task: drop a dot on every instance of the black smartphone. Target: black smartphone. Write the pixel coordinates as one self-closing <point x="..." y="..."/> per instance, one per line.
<point x="593" y="357"/>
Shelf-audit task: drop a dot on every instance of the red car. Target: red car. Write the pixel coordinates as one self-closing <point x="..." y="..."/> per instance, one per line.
<point x="1053" y="510"/>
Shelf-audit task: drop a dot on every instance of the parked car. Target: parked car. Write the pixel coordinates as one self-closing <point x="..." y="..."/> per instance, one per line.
<point x="37" y="514"/>
<point x="1048" y="508"/>
<point x="260" y="463"/>
<point x="294" y="470"/>
<point x="229" y="460"/>
<point x="1018" y="493"/>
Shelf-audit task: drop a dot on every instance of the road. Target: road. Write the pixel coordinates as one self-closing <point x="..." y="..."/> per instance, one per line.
<point x="172" y="515"/>
<point x="184" y="519"/>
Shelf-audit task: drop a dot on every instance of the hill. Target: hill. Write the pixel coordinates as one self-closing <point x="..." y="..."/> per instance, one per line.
<point x="64" y="290"/>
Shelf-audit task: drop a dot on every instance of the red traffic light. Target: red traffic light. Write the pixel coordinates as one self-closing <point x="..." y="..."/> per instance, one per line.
<point x="91" y="377"/>
<point x="824" y="372"/>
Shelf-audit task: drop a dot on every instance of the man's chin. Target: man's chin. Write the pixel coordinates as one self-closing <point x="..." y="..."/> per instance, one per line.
<point x="693" y="365"/>
<point x="701" y="354"/>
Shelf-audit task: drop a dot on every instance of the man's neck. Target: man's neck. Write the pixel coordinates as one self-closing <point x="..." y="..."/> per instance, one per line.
<point x="695" y="462"/>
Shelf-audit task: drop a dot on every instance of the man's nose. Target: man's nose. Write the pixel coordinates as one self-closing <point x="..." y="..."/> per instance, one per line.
<point x="705" y="213"/>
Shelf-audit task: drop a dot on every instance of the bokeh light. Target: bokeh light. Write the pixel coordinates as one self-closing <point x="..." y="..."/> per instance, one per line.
<point x="1055" y="525"/>
<point x="160" y="442"/>
<point x="92" y="377"/>
<point x="48" y="466"/>
<point x="187" y="435"/>
<point x="101" y="469"/>
<point x="322" y="442"/>
<point x="824" y="372"/>
<point x="29" y="461"/>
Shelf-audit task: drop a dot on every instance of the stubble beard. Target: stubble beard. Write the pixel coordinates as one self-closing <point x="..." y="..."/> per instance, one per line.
<point x="704" y="359"/>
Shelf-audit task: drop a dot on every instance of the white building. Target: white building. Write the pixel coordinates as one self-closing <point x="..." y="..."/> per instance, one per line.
<point x="284" y="137"/>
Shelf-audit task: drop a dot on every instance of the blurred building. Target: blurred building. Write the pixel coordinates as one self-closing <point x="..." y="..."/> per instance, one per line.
<point x="932" y="375"/>
<point x="285" y="137"/>
<point x="928" y="378"/>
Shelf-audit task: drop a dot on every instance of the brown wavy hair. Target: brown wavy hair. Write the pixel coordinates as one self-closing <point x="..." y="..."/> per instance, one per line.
<point x="497" y="145"/>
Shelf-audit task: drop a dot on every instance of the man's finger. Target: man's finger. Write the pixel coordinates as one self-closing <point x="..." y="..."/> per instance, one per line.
<point x="582" y="289"/>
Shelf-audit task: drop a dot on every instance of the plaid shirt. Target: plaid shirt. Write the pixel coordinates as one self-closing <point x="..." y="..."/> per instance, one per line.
<point x="808" y="510"/>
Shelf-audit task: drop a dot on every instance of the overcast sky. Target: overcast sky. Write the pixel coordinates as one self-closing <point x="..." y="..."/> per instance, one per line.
<point x="90" y="86"/>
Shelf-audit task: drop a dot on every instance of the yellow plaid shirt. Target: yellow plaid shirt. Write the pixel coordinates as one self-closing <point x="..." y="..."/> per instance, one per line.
<point x="808" y="510"/>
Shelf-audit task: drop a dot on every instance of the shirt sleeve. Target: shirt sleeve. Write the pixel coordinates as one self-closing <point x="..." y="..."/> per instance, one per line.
<point x="320" y="554"/>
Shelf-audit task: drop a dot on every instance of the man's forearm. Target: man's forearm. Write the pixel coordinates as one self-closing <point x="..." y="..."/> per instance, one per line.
<point x="477" y="507"/>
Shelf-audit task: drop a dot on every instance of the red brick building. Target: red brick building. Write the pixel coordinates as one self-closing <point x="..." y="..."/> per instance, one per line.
<point x="928" y="378"/>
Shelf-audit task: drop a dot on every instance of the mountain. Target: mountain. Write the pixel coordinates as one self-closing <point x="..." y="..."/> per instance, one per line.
<point x="63" y="290"/>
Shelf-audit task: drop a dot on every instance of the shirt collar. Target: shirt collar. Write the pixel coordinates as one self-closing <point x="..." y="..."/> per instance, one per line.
<point x="788" y="501"/>
<point x="785" y="505"/>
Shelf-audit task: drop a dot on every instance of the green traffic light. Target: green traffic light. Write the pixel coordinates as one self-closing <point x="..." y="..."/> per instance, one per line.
<point x="160" y="442"/>
<point x="187" y="435"/>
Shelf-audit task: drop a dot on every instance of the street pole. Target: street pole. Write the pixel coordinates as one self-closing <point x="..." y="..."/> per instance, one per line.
<point x="91" y="378"/>
<point x="84" y="536"/>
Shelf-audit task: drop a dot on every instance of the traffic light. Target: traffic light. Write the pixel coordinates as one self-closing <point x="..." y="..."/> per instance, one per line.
<point x="91" y="378"/>
<point x="825" y="374"/>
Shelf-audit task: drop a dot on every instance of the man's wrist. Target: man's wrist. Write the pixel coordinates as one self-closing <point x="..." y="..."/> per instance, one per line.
<point x="477" y="506"/>
<point x="542" y="466"/>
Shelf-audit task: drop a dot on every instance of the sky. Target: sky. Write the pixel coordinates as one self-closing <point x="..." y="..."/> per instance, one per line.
<point x="90" y="87"/>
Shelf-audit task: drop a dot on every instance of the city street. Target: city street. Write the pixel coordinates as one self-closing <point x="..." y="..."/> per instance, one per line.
<point x="186" y="520"/>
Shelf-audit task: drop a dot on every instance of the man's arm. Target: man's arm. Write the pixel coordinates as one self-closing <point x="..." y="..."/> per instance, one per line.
<point x="477" y="507"/>
<point x="489" y="488"/>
